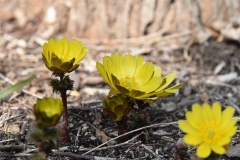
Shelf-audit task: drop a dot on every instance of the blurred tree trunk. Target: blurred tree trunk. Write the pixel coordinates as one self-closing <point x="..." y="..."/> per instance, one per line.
<point x="112" y="19"/>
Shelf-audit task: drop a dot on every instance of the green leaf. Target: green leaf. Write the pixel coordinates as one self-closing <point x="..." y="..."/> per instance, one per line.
<point x="9" y="90"/>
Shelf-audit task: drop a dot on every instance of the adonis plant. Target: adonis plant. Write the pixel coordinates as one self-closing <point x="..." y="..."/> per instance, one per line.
<point x="209" y="129"/>
<point x="46" y="132"/>
<point x="61" y="57"/>
<point x="135" y="84"/>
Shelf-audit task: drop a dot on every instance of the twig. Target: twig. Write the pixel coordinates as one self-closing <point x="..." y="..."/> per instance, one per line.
<point x="13" y="147"/>
<point x="8" y="140"/>
<point x="150" y="126"/>
<point x="23" y="90"/>
<point x="121" y="144"/>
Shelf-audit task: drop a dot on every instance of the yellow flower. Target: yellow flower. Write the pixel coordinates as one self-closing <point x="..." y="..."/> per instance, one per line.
<point x="209" y="128"/>
<point x="116" y="107"/>
<point x="129" y="75"/>
<point x="48" y="111"/>
<point x="60" y="56"/>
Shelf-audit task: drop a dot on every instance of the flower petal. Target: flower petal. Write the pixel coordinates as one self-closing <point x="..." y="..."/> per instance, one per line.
<point x="223" y="141"/>
<point x="186" y="127"/>
<point x="227" y="114"/>
<point x="193" y="139"/>
<point x="216" y="110"/>
<point x="166" y="81"/>
<point x="227" y="126"/>
<point x="204" y="150"/>
<point x="102" y="72"/>
<point x="129" y="65"/>
<point x="231" y="132"/>
<point x="151" y="85"/>
<point x="157" y="72"/>
<point x="139" y="64"/>
<point x="194" y="120"/>
<point x="197" y="109"/>
<point x="207" y="113"/>
<point x="144" y="74"/>
<point x="115" y="65"/>
<point x="218" y="149"/>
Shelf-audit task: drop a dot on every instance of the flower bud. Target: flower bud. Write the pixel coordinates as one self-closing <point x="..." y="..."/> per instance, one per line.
<point x="116" y="107"/>
<point x="48" y="111"/>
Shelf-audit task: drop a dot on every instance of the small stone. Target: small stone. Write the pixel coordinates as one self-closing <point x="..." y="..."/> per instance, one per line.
<point x="93" y="138"/>
<point x="71" y="125"/>
<point x="13" y="128"/>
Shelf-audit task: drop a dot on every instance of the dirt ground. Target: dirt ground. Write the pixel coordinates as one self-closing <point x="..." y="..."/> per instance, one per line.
<point x="211" y="74"/>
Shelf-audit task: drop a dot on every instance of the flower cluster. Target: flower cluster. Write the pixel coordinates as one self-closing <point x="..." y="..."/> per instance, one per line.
<point x="209" y="128"/>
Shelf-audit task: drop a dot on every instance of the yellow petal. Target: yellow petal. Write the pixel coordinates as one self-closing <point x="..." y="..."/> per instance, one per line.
<point x="115" y="65"/>
<point x="186" y="127"/>
<point x="194" y="120"/>
<point x="173" y="89"/>
<point x="216" y="111"/>
<point x="157" y="71"/>
<point x="144" y="74"/>
<point x="218" y="149"/>
<point x="204" y="150"/>
<point x="197" y="109"/>
<point x="129" y="65"/>
<point x="151" y="85"/>
<point x="139" y="64"/>
<point x="228" y="125"/>
<point x="193" y="139"/>
<point x="166" y="81"/>
<point x="227" y="114"/>
<point x="207" y="113"/>
<point x="223" y="141"/>
<point x="63" y="50"/>
<point x="231" y="132"/>
<point x="82" y="53"/>
<point x="102" y="72"/>
<point x="46" y="54"/>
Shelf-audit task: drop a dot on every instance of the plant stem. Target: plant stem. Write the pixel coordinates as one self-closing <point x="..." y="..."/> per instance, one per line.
<point x="41" y="147"/>
<point x="65" y="131"/>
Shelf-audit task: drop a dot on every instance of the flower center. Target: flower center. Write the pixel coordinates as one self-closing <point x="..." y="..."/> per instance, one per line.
<point x="129" y="83"/>
<point x="210" y="133"/>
